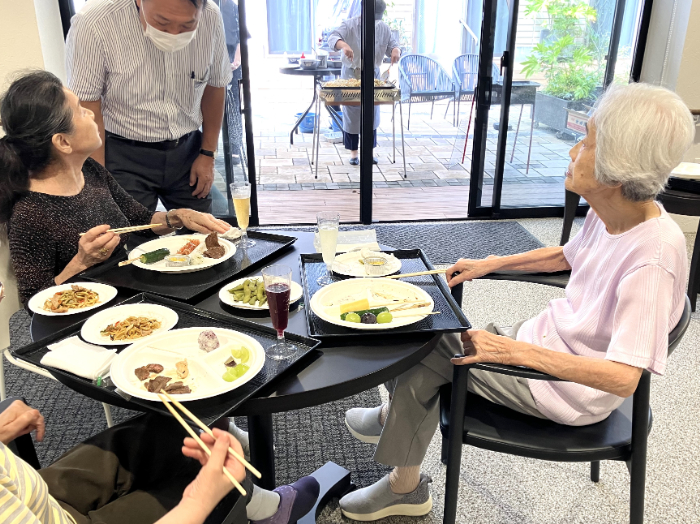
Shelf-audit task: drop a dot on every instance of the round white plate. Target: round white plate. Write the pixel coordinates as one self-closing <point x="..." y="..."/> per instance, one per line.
<point x="227" y="298"/>
<point x="206" y="369"/>
<point x="174" y="243"/>
<point x="349" y="264"/>
<point x="330" y="297"/>
<point x="36" y="303"/>
<point x="96" y="323"/>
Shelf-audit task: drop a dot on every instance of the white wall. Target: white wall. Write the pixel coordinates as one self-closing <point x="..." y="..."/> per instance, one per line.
<point x="31" y="37"/>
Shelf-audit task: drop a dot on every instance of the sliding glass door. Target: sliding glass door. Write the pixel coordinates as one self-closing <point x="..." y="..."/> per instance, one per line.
<point x="543" y="65"/>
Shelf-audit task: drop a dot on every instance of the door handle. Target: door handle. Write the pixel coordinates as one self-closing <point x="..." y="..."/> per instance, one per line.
<point x="504" y="61"/>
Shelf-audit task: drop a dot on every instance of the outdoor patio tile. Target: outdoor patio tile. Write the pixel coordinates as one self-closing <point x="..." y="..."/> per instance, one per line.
<point x="380" y="184"/>
<point x="405" y="183"/>
<point x="344" y="185"/>
<point x="417" y="183"/>
<point x="457" y="167"/>
<point x="276" y="179"/>
<point x="295" y="187"/>
<point x="421" y="175"/>
<point x="354" y="177"/>
<point x="378" y="177"/>
<point x="441" y="183"/>
<point x="320" y="186"/>
<point x="282" y="187"/>
<point x="267" y="170"/>
<point x="309" y="179"/>
<point x="290" y="154"/>
<point x="393" y="184"/>
<point x="294" y="170"/>
<point x="269" y="187"/>
<point x="430" y="183"/>
<point x="453" y="174"/>
<point x="393" y="177"/>
<point x="261" y="152"/>
<point x="554" y="172"/>
<point x="332" y="186"/>
<point x="432" y="166"/>
<point x="301" y="161"/>
<point x="276" y="162"/>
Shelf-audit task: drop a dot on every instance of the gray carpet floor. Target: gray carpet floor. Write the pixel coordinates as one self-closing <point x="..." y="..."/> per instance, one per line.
<point x="494" y="488"/>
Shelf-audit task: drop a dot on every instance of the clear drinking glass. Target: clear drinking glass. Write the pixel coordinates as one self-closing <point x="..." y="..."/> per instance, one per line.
<point x="240" y="191"/>
<point x="328" y="223"/>
<point x="278" y="286"/>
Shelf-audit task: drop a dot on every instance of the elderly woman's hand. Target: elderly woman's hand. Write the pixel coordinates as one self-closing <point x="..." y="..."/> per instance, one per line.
<point x="96" y="245"/>
<point x="466" y="270"/>
<point x="201" y="222"/>
<point x="483" y="346"/>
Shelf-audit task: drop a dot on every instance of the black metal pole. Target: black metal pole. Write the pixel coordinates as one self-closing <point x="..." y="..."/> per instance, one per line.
<point x="248" y="114"/>
<point x="614" y="43"/>
<point x="367" y="107"/>
<point x="483" y="104"/>
<point x="641" y="45"/>
<point x="507" y="62"/>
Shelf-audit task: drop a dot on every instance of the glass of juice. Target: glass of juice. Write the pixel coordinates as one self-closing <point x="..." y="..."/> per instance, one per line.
<point x="328" y="223"/>
<point x="240" y="191"/>
<point x="278" y="285"/>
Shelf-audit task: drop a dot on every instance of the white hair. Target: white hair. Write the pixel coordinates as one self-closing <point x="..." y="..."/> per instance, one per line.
<point x="642" y="133"/>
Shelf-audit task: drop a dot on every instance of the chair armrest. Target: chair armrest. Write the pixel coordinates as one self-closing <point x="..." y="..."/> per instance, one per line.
<point x="503" y="369"/>
<point x="22" y="446"/>
<point x="556" y="279"/>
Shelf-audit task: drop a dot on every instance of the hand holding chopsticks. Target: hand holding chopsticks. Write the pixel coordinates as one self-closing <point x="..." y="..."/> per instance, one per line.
<point x="199" y="441"/>
<point x="130" y="229"/>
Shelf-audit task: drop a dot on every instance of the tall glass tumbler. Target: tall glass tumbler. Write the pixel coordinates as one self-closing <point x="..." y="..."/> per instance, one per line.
<point x="278" y="285"/>
<point x="328" y="223"/>
<point x="240" y="191"/>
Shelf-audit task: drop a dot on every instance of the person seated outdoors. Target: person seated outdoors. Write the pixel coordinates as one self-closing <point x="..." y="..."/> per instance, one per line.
<point x="625" y="294"/>
<point x="138" y="472"/>
<point x="51" y="191"/>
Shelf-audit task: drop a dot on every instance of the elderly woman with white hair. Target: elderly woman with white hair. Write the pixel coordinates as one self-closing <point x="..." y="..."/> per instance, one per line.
<point x="626" y="293"/>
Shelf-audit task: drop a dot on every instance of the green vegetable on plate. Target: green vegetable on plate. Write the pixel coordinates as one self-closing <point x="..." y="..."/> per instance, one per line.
<point x="154" y="256"/>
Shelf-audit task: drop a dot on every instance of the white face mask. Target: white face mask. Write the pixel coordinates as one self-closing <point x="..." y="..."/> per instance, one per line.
<point x="165" y="41"/>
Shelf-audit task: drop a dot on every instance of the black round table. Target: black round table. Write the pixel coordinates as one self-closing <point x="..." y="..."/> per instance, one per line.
<point x="317" y="74"/>
<point x="341" y="369"/>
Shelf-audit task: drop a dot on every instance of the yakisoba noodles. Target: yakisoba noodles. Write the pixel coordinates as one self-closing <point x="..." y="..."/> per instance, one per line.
<point x="131" y="328"/>
<point x="76" y="298"/>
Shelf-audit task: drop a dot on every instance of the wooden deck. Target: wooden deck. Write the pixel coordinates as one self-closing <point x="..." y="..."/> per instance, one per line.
<point x="393" y="204"/>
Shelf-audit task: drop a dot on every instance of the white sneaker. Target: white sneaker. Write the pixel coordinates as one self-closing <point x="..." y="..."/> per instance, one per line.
<point x="364" y="424"/>
<point x="241" y="436"/>
<point x="378" y="501"/>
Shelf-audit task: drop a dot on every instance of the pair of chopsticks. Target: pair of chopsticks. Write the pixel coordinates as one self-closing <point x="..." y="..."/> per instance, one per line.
<point x="420" y="273"/>
<point x="204" y="447"/>
<point x="130" y="229"/>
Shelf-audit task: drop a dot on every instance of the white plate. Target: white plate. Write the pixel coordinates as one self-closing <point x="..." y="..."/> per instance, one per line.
<point x="206" y="369"/>
<point x="174" y="243"/>
<point x="105" y="292"/>
<point x="349" y="264"/>
<point x="357" y="289"/>
<point x="99" y="321"/>
<point x="227" y="298"/>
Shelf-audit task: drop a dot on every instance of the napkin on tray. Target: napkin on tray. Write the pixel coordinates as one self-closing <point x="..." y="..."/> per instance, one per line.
<point x="78" y="357"/>
<point x="349" y="240"/>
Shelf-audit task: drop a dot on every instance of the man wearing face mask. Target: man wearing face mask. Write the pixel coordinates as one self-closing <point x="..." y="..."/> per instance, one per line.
<point x="153" y="72"/>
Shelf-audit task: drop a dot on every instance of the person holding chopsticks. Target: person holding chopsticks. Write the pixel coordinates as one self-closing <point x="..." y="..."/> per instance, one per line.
<point x="51" y="191"/>
<point x="139" y="472"/>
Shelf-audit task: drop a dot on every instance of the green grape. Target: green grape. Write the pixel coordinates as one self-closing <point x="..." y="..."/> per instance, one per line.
<point x="240" y="370"/>
<point x="384" y="318"/>
<point x="352" y="317"/>
<point x="230" y="375"/>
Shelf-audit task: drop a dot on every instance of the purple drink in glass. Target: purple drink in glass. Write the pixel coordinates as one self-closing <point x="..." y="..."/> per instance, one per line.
<point x="278" y="300"/>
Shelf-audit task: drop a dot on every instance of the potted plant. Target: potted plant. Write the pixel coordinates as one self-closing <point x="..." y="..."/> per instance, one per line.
<point x="569" y="57"/>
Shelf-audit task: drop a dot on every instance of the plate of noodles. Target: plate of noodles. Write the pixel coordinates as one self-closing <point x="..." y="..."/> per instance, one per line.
<point x="128" y="323"/>
<point x="69" y="299"/>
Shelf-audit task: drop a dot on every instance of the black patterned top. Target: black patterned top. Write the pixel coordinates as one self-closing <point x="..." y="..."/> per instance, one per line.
<point x="44" y="230"/>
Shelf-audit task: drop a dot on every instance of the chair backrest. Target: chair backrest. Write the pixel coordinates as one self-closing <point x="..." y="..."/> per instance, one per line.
<point x="422" y="72"/>
<point x="676" y="334"/>
<point x="466" y="69"/>
<point x="11" y="303"/>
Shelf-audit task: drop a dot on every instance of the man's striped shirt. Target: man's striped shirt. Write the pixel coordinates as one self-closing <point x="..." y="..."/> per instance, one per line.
<point x="146" y="94"/>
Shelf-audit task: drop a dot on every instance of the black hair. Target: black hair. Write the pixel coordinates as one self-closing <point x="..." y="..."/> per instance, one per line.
<point x="32" y="111"/>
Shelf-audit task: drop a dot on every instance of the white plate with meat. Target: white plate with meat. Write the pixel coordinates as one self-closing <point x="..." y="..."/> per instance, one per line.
<point x="198" y="248"/>
<point x="69" y="299"/>
<point x="191" y="364"/>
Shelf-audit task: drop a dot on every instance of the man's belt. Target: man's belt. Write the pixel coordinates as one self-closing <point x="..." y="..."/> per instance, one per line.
<point x="165" y="145"/>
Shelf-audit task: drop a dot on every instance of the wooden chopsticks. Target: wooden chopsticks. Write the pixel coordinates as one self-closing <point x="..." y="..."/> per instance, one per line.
<point x="130" y="229"/>
<point x="204" y="447"/>
<point x="420" y="273"/>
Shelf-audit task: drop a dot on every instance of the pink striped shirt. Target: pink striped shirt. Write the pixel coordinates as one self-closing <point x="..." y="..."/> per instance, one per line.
<point x="625" y="295"/>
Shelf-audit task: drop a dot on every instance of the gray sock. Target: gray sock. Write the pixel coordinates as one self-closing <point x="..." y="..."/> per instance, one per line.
<point x="263" y="504"/>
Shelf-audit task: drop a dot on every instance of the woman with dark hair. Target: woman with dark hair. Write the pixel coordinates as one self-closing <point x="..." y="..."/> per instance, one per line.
<point x="51" y="191"/>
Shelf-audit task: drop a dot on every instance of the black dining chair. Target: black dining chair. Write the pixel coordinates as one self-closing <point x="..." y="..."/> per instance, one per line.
<point x="473" y="420"/>
<point x="231" y="510"/>
<point x="681" y="198"/>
